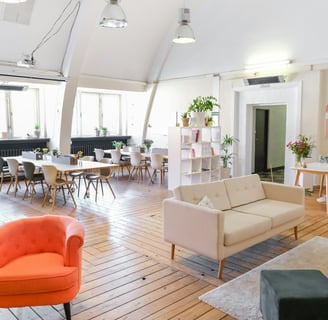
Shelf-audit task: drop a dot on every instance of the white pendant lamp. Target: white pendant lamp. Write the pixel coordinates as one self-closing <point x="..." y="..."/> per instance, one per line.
<point x="113" y="15"/>
<point x="184" y="33"/>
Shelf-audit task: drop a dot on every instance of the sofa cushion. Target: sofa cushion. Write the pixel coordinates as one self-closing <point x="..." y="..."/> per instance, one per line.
<point x="194" y="193"/>
<point x="278" y="211"/>
<point x="243" y="190"/>
<point x="239" y="226"/>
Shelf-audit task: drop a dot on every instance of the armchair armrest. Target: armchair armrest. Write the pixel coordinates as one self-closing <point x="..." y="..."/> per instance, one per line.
<point x="194" y="227"/>
<point x="74" y="242"/>
<point x="282" y="192"/>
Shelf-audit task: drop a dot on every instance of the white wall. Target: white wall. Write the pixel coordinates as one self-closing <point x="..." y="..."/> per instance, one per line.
<point x="172" y="98"/>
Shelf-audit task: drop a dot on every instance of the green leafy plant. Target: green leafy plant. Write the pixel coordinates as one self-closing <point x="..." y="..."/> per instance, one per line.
<point x="227" y="155"/>
<point x="185" y="115"/>
<point x="36" y="126"/>
<point x="103" y="128"/>
<point x="203" y="104"/>
<point x="117" y="144"/>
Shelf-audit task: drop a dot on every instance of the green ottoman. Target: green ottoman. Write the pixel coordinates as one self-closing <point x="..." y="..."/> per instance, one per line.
<point x="293" y="295"/>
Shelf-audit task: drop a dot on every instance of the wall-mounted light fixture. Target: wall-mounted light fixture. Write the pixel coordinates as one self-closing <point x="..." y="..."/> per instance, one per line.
<point x="12" y="1"/>
<point x="184" y="33"/>
<point x="267" y="66"/>
<point x="113" y="15"/>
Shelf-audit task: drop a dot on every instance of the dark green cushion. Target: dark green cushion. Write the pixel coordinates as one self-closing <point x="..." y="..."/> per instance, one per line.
<point x="293" y="295"/>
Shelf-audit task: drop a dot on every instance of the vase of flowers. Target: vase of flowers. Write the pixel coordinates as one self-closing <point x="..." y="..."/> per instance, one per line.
<point x="302" y="148"/>
<point x="147" y="143"/>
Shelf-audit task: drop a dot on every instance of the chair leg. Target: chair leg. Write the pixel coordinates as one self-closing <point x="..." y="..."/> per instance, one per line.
<point x="67" y="308"/>
<point x="110" y="187"/>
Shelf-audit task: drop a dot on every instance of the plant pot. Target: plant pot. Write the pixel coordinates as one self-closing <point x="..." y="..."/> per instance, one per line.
<point x="97" y="133"/>
<point x="199" y="119"/>
<point x="225" y="173"/>
<point x="37" y="133"/>
<point x="185" y="122"/>
<point x="104" y="133"/>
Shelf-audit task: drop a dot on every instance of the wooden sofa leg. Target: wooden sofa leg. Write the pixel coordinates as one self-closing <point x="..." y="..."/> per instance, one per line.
<point x="221" y="266"/>
<point x="67" y="309"/>
<point x="295" y="233"/>
<point x="172" y="250"/>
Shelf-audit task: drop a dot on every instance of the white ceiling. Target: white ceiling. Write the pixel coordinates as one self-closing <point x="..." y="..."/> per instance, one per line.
<point x="229" y="34"/>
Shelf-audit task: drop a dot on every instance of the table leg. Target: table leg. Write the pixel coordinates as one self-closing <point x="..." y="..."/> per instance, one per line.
<point x="297" y="176"/>
<point x="326" y="176"/>
<point x="322" y="178"/>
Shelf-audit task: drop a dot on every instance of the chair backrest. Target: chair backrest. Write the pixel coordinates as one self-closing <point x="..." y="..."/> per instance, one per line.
<point x="156" y="160"/>
<point x="116" y="156"/>
<point x="135" y="158"/>
<point x="13" y="166"/>
<point x="100" y="154"/>
<point x="163" y="151"/>
<point x="105" y="172"/>
<point x="2" y="164"/>
<point x="50" y="174"/>
<point x="29" y="169"/>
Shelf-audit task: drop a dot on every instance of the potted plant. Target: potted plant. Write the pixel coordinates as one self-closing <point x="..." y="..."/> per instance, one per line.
<point x="227" y="155"/>
<point x="117" y="144"/>
<point x="37" y="130"/>
<point x="200" y="107"/>
<point x="104" y="131"/>
<point x="97" y="132"/>
<point x="185" y="116"/>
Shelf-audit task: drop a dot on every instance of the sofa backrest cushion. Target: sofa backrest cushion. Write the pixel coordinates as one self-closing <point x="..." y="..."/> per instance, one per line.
<point x="244" y="189"/>
<point x="214" y="191"/>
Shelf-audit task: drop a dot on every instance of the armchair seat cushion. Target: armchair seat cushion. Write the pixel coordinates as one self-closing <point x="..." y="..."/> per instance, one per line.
<point x="37" y="274"/>
<point x="280" y="212"/>
<point x="239" y="227"/>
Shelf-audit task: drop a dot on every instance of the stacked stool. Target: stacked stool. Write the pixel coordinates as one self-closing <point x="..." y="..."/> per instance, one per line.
<point x="293" y="295"/>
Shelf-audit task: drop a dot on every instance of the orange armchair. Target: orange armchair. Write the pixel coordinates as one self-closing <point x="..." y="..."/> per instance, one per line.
<point x="40" y="261"/>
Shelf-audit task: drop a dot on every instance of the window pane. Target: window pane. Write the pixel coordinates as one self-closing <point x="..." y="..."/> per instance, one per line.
<point x="3" y="113"/>
<point x="89" y="113"/>
<point x="24" y="112"/>
<point x="111" y="113"/>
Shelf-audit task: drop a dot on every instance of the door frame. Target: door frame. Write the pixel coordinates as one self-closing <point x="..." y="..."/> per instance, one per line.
<point x="245" y="98"/>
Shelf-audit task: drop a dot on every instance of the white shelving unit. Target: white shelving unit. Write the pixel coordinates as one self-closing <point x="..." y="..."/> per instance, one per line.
<point x="194" y="155"/>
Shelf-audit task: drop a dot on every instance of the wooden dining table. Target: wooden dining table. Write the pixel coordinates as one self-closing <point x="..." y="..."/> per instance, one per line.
<point x="66" y="168"/>
<point x="317" y="168"/>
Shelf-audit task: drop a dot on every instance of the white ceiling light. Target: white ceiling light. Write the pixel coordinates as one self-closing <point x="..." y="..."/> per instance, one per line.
<point x="184" y="33"/>
<point x="13" y="1"/>
<point x="113" y="15"/>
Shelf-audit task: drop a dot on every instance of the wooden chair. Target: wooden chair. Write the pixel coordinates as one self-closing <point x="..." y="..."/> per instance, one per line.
<point x="15" y="174"/>
<point x="32" y="179"/>
<point x="41" y="263"/>
<point x="138" y="165"/>
<point x="54" y="183"/>
<point x="157" y="164"/>
<point x="116" y="159"/>
<point x="94" y="179"/>
<point x="4" y="172"/>
<point x="100" y="154"/>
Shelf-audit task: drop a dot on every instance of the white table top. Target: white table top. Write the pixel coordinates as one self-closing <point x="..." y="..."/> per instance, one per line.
<point x="82" y="165"/>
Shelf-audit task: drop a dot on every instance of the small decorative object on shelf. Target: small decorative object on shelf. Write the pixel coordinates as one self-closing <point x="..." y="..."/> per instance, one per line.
<point x="37" y="131"/>
<point x="185" y="116"/>
<point x="97" y="132"/>
<point x="104" y="131"/>
<point x="302" y="148"/>
<point x="147" y="143"/>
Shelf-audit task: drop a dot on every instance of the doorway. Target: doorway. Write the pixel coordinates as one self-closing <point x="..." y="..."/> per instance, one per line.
<point x="261" y="140"/>
<point x="269" y="142"/>
<point x="245" y="99"/>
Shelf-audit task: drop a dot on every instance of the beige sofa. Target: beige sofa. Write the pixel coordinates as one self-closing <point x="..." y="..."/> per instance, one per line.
<point x="219" y="219"/>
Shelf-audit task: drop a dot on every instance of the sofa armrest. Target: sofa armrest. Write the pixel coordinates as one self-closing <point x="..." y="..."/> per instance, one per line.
<point x="193" y="227"/>
<point x="282" y="192"/>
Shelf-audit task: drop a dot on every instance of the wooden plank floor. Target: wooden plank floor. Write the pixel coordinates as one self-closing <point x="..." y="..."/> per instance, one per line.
<point x="127" y="271"/>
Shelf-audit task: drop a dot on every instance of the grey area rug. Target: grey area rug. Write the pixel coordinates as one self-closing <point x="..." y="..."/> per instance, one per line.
<point x="240" y="297"/>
